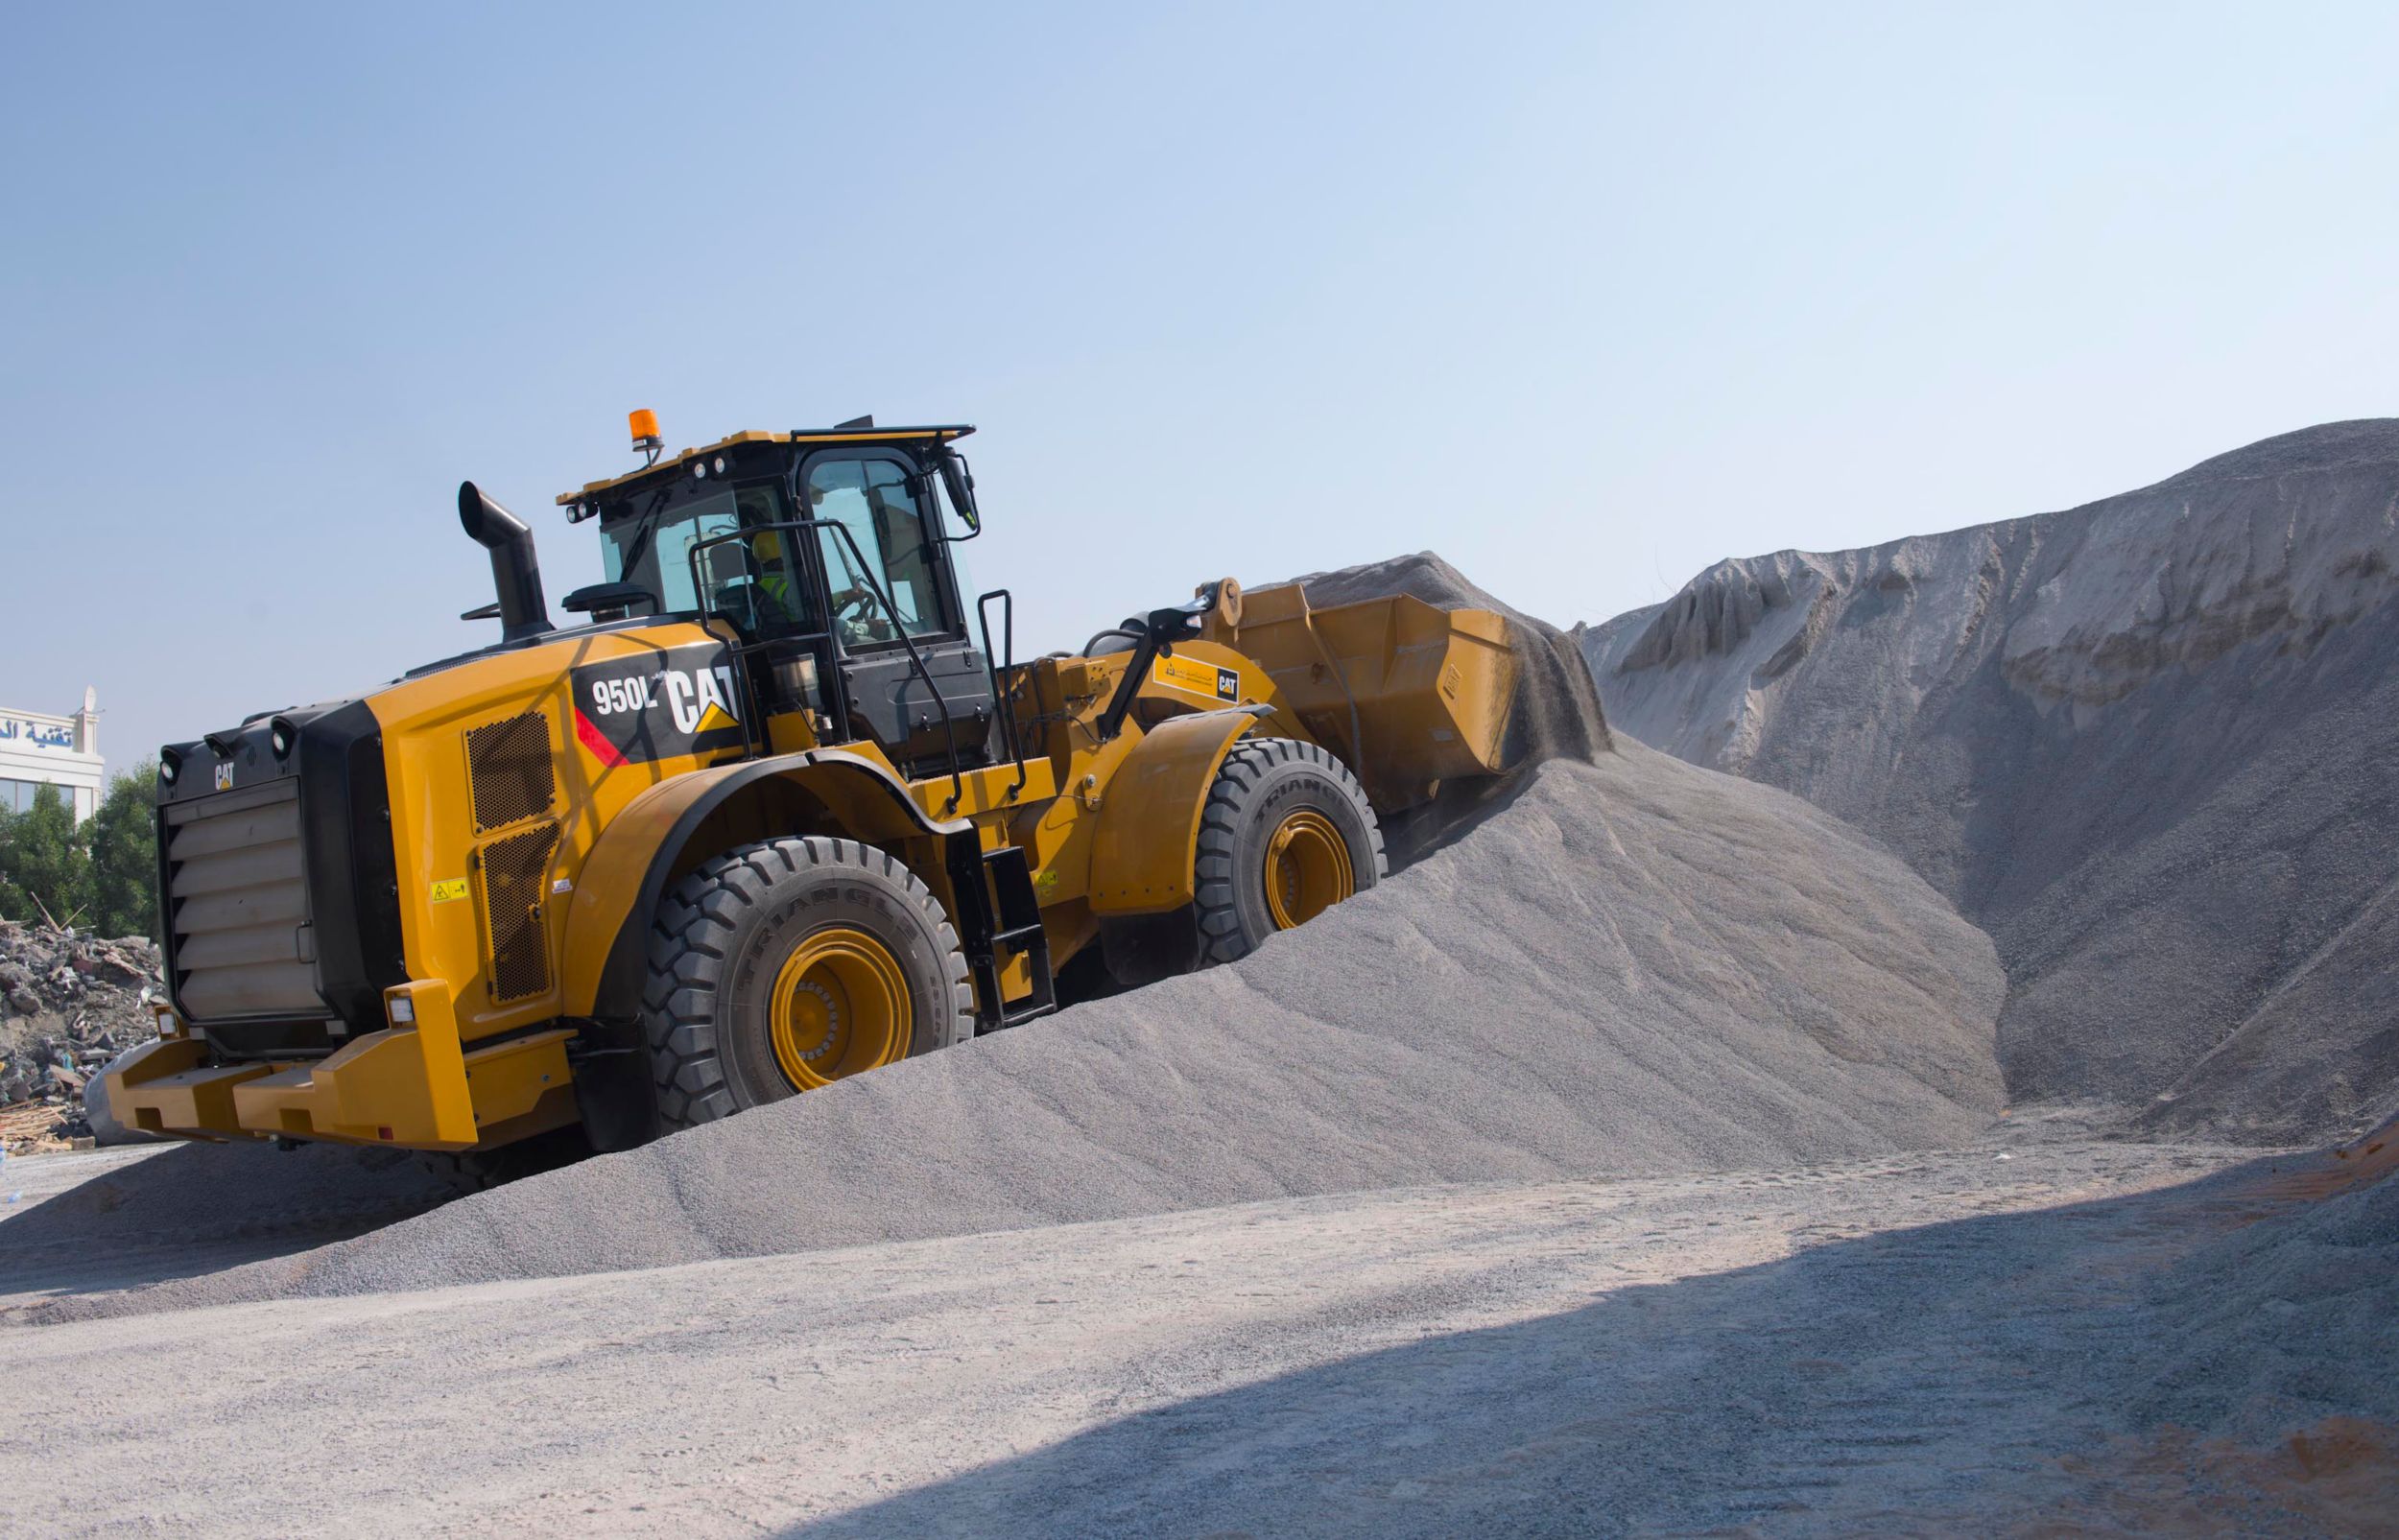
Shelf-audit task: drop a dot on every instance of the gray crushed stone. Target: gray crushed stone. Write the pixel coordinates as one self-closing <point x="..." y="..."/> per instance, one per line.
<point x="172" y="1210"/>
<point x="2150" y="745"/>
<point x="2280" y="1322"/>
<point x="1630" y="966"/>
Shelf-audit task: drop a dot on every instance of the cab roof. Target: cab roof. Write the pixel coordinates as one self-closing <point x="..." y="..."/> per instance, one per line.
<point x="942" y="433"/>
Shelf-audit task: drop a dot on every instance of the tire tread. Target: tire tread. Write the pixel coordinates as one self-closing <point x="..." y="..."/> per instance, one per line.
<point x="1220" y="937"/>
<point x="690" y="942"/>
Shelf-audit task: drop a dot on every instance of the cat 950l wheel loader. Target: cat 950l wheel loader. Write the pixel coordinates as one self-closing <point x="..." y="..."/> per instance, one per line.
<point x="773" y="812"/>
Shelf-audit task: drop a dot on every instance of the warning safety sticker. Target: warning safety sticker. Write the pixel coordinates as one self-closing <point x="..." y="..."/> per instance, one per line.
<point x="1203" y="678"/>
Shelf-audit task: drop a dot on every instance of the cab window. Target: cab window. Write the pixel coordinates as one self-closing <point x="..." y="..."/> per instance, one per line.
<point x="753" y="581"/>
<point x="870" y="499"/>
<point x="655" y="552"/>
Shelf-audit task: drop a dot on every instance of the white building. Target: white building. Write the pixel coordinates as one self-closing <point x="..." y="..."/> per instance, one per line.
<point x="38" y="749"/>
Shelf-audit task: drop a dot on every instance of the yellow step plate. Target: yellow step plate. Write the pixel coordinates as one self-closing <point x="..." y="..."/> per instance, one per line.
<point x="162" y="1088"/>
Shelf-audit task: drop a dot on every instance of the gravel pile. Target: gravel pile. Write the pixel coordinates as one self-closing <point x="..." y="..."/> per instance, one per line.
<point x="2150" y="745"/>
<point x="69" y="1003"/>
<point x="2283" y="1322"/>
<point x="1628" y="967"/>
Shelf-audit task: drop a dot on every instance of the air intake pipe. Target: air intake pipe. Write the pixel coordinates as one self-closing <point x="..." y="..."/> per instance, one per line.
<point x="515" y="570"/>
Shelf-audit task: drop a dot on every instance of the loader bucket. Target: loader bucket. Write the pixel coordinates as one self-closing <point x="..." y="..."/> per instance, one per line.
<point x="1408" y="694"/>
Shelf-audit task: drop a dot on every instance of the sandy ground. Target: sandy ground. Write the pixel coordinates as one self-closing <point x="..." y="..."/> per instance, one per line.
<point x="1629" y="968"/>
<point x="84" y="1224"/>
<point x="1886" y="1344"/>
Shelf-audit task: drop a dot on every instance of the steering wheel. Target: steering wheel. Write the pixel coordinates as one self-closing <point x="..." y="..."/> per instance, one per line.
<point x="856" y="611"/>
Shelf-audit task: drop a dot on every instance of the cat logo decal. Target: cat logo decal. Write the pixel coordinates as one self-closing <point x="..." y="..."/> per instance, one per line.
<point x="668" y="704"/>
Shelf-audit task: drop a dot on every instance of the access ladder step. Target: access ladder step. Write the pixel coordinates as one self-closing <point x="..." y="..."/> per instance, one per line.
<point x="1018" y="926"/>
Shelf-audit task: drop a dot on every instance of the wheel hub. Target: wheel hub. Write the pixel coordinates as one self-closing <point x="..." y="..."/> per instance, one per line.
<point x="818" y="1014"/>
<point x="1308" y="869"/>
<point x="840" y="1006"/>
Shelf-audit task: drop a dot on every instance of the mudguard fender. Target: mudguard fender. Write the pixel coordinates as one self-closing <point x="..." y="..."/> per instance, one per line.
<point x="648" y="845"/>
<point x="1148" y="841"/>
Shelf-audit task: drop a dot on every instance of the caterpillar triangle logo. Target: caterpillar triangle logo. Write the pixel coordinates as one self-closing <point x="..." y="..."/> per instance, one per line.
<point x="715" y="719"/>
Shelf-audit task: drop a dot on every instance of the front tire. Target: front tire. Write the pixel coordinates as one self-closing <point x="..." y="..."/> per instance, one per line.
<point x="785" y="966"/>
<point x="1287" y="833"/>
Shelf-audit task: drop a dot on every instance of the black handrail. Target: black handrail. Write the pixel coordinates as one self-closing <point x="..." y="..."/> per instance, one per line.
<point x="1154" y="638"/>
<point x="874" y="590"/>
<point x="1003" y="697"/>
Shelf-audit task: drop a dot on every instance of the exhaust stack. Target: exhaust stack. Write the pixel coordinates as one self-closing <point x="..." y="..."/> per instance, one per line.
<point x="515" y="569"/>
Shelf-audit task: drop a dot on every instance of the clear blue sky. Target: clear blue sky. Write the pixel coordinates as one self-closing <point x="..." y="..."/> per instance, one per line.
<point x="1582" y="297"/>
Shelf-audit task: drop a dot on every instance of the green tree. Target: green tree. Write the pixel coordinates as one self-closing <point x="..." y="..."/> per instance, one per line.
<point x="124" y="836"/>
<point x="14" y="904"/>
<point x="45" y="863"/>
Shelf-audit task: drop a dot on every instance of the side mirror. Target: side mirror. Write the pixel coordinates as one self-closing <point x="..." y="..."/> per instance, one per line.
<point x="958" y="479"/>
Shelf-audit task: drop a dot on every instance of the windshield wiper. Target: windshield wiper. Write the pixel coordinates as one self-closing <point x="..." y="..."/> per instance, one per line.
<point x="639" y="546"/>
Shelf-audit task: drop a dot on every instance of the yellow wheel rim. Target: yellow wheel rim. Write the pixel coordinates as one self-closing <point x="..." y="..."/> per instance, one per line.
<point x="1307" y="869"/>
<point x="841" y="1005"/>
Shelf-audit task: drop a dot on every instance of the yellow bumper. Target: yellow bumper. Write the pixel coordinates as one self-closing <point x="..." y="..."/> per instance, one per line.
<point x="415" y="1087"/>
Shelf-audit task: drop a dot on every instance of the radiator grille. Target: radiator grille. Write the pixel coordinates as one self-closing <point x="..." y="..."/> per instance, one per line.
<point x="509" y="764"/>
<point x="237" y="897"/>
<point x="515" y="891"/>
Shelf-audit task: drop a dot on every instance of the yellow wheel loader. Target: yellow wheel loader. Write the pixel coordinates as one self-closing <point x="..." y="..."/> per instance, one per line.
<point x="772" y="812"/>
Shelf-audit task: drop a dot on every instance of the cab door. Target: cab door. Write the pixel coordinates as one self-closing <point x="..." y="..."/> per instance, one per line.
<point x="891" y="590"/>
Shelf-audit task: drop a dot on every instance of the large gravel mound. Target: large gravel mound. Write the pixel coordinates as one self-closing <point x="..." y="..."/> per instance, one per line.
<point x="2151" y="744"/>
<point x="1630" y="966"/>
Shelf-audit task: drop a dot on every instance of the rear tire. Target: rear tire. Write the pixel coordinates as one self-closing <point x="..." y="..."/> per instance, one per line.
<point x="788" y="964"/>
<point x="1285" y="834"/>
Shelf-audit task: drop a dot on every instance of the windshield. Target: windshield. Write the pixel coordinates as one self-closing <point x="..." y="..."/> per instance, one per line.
<point x="752" y="580"/>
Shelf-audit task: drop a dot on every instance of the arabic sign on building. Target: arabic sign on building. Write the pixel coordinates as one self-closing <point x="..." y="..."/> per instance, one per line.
<point x="38" y="751"/>
<point x="33" y="732"/>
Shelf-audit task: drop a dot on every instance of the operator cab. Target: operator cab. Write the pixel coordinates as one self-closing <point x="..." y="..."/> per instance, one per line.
<point x="828" y="553"/>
